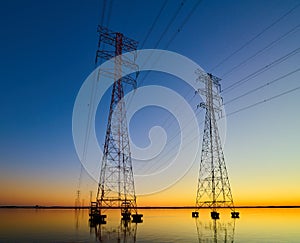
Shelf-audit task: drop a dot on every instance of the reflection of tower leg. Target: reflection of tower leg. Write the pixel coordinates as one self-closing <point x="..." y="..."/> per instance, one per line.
<point x="125" y="231"/>
<point x="215" y="231"/>
<point x="76" y="219"/>
<point x="199" y="230"/>
<point x="231" y="239"/>
<point x="213" y="183"/>
<point x="98" y="232"/>
<point x="128" y="231"/>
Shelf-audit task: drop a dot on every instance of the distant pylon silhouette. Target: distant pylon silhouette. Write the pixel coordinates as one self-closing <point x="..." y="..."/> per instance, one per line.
<point x="116" y="185"/>
<point x="213" y="183"/>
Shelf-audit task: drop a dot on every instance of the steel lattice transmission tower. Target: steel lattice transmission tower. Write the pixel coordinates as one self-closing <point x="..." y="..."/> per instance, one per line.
<point x="116" y="185"/>
<point x="213" y="183"/>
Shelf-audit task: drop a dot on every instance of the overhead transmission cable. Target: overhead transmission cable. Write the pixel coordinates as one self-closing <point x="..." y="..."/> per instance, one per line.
<point x="174" y="36"/>
<point x="146" y="38"/>
<point x="109" y="12"/>
<point x="103" y="13"/>
<point x="170" y="23"/>
<point x="293" y="30"/>
<point x="256" y="36"/>
<point x="252" y="75"/>
<point x="161" y="36"/>
<point x="247" y="93"/>
<point x="164" y="32"/>
<point x="186" y="19"/>
<point x="238" y="111"/>
<point x="256" y="89"/>
<point x="247" y="43"/>
<point x="263" y="101"/>
<point x="258" y="52"/>
<point x="176" y="108"/>
<point x="261" y="70"/>
<point x="178" y="132"/>
<point x="91" y="106"/>
<point x="262" y="86"/>
<point x="272" y="43"/>
<point x="154" y="23"/>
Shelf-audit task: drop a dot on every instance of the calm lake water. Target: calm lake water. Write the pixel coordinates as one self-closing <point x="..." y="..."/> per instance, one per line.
<point x="66" y="225"/>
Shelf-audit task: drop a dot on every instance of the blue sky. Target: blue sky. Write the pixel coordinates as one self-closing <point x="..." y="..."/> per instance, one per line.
<point x="48" y="49"/>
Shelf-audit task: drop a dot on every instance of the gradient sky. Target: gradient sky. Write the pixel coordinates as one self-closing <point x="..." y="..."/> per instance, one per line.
<point x="48" y="49"/>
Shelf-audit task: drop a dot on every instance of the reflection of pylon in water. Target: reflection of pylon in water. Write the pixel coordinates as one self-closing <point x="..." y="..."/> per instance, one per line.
<point x="79" y="216"/>
<point x="125" y="232"/>
<point x="116" y="184"/>
<point x="215" y="231"/>
<point x="213" y="183"/>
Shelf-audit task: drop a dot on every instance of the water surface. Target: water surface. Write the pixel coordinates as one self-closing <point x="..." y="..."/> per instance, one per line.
<point x="68" y="225"/>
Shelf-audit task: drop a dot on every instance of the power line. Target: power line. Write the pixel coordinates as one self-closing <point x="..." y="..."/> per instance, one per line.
<point x="163" y="34"/>
<point x="177" y="107"/>
<point x="176" y="134"/>
<point x="103" y="12"/>
<point x="251" y="91"/>
<point x="91" y="104"/>
<point x="296" y="28"/>
<point x="262" y="86"/>
<point x="147" y="36"/>
<point x="90" y="108"/>
<point x="109" y="12"/>
<point x="263" y="101"/>
<point x="260" y="51"/>
<point x="170" y="23"/>
<point x="175" y="33"/>
<point x="256" y="36"/>
<point x="242" y="109"/>
<point x="261" y="70"/>
<point x="154" y="23"/>
<point x="193" y="118"/>
<point x="105" y="18"/>
<point x="184" y="22"/>
<point x="239" y="110"/>
<point x="272" y="43"/>
<point x="186" y="19"/>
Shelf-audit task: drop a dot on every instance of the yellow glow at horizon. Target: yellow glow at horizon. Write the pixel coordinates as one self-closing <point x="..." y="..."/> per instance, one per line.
<point x="32" y="190"/>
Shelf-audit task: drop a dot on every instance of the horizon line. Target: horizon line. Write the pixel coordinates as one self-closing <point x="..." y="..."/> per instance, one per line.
<point x="142" y="207"/>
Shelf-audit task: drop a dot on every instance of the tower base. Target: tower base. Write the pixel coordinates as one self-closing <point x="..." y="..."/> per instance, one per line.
<point x="137" y="218"/>
<point x="195" y="214"/>
<point x="214" y="215"/>
<point x="235" y="215"/>
<point x="126" y="215"/>
<point x="97" y="219"/>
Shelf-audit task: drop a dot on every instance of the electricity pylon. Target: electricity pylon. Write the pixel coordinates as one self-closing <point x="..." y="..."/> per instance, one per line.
<point x="116" y="185"/>
<point x="213" y="183"/>
<point x="77" y="200"/>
